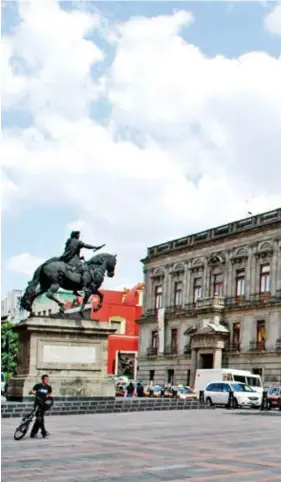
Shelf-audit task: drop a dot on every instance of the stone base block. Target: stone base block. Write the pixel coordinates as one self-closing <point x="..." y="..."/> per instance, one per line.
<point x="72" y="352"/>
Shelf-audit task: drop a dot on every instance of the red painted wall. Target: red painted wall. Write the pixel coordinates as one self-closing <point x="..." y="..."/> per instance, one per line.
<point x="126" y="305"/>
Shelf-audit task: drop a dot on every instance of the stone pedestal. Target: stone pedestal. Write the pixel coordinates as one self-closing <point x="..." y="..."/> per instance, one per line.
<point x="72" y="352"/>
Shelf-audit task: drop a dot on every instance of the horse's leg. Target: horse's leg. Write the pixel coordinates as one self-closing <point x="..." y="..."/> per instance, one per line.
<point x="100" y="295"/>
<point x="40" y="292"/>
<point x="51" y="295"/>
<point x="87" y="293"/>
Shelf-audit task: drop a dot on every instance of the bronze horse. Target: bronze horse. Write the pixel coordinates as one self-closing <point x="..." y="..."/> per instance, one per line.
<point x="55" y="274"/>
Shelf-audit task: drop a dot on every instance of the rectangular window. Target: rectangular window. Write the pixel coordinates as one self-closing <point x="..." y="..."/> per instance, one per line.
<point x="240" y="283"/>
<point x="178" y="293"/>
<point x="218" y="285"/>
<point x="265" y="278"/>
<point x="174" y="340"/>
<point x="261" y="335"/>
<point x="171" y="376"/>
<point x="151" y="375"/>
<point x="188" y="378"/>
<point x="154" y="340"/>
<point x="158" y="297"/>
<point x="236" y="336"/>
<point x="197" y="289"/>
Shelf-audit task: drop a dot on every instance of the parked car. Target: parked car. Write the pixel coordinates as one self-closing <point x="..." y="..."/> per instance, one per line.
<point x="157" y="391"/>
<point x="217" y="393"/>
<point x="120" y="390"/>
<point x="274" y="396"/>
<point x="170" y="392"/>
<point x="185" y="393"/>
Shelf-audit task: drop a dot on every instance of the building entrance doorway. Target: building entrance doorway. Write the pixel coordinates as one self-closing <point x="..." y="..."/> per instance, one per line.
<point x="207" y="360"/>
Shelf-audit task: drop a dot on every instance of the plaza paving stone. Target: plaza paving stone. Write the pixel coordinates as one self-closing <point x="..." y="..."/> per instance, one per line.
<point x="176" y="446"/>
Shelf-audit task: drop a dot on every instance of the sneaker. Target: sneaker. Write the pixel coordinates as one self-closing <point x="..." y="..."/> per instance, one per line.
<point x="33" y="436"/>
<point x="47" y="434"/>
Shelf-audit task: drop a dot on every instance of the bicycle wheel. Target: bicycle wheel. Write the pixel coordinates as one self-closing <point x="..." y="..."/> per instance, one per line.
<point x="21" y="431"/>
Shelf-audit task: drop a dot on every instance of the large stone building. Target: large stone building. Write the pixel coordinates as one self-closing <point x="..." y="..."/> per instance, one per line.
<point x="212" y="300"/>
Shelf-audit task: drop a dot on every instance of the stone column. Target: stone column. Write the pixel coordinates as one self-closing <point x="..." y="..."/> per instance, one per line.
<point x="229" y="272"/>
<point x="147" y="289"/>
<point x="278" y="265"/>
<point x="168" y="286"/>
<point x="217" y="358"/>
<point x="252" y="267"/>
<point x="186" y="283"/>
<point x="274" y="268"/>
<point x="206" y="282"/>
<point x="190" y="285"/>
<point x="193" y="366"/>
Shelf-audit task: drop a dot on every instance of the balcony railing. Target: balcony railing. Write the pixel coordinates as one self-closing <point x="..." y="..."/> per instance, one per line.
<point x="171" y="350"/>
<point x="151" y="312"/>
<point x="174" y="310"/>
<point x="152" y="351"/>
<point x="217" y="302"/>
<point x="233" y="348"/>
<point x="235" y="301"/>
<point x="261" y="298"/>
<point x="255" y="347"/>
<point x="187" y="349"/>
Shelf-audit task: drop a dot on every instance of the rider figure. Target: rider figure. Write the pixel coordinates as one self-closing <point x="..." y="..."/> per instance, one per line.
<point x="71" y="255"/>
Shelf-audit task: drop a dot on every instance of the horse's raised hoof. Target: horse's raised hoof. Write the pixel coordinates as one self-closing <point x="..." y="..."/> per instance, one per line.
<point x="81" y="313"/>
<point x="97" y="308"/>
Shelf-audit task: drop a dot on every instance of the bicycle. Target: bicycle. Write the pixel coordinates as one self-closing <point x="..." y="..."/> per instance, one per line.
<point x="22" y="429"/>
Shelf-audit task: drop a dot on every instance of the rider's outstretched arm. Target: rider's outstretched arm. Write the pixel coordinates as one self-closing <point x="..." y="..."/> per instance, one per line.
<point x="89" y="246"/>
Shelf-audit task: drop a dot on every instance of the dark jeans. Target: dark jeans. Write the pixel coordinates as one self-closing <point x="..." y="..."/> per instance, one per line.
<point x="39" y="423"/>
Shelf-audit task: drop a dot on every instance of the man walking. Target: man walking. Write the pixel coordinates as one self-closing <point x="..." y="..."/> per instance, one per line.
<point x="42" y="392"/>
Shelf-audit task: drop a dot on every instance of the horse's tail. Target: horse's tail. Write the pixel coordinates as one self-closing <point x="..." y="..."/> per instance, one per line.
<point x="30" y="292"/>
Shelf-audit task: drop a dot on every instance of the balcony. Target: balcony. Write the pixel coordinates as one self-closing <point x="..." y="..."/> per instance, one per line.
<point x="257" y="346"/>
<point x="174" y="310"/>
<point x="233" y="348"/>
<point x="152" y="351"/>
<point x="171" y="350"/>
<point x="254" y="348"/>
<point x="151" y="312"/>
<point x="261" y="298"/>
<point x="236" y="301"/>
<point x="210" y="303"/>
<point x="187" y="349"/>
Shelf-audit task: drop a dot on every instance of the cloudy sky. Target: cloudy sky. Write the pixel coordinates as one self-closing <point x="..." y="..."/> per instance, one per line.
<point x="135" y="122"/>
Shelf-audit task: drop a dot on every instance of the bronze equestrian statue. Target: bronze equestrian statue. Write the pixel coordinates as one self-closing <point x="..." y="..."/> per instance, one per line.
<point x="70" y="272"/>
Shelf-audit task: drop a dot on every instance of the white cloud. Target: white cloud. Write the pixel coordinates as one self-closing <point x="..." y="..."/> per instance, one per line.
<point x="272" y="21"/>
<point x="24" y="263"/>
<point x="203" y="133"/>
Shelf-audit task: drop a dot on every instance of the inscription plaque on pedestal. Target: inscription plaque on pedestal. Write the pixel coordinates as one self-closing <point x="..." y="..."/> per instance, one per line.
<point x="69" y="354"/>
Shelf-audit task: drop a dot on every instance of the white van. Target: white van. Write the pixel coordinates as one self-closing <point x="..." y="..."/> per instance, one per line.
<point x="205" y="376"/>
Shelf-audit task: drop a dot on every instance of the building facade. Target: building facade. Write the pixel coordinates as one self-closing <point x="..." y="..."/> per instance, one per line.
<point x="213" y="300"/>
<point x="10" y="304"/>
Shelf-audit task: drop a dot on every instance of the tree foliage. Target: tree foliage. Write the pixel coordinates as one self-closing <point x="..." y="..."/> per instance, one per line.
<point x="9" y="348"/>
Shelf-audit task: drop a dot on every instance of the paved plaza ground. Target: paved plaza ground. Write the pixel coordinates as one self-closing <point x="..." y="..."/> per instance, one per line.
<point x="199" y="445"/>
